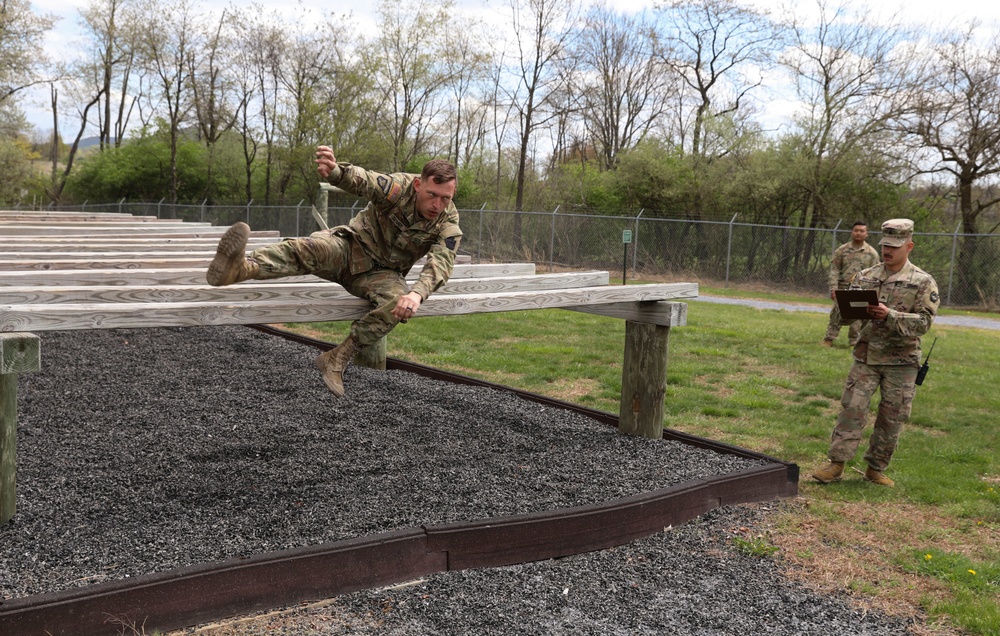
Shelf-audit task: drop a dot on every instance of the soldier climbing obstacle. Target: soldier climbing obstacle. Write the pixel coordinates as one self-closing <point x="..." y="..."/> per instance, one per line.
<point x="407" y="217"/>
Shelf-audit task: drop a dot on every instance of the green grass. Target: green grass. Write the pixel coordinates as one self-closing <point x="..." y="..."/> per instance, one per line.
<point x="759" y="379"/>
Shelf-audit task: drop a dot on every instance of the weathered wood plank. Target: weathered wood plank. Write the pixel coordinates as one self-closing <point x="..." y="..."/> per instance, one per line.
<point x="666" y="314"/>
<point x="15" y="247"/>
<point x="110" y="255"/>
<point x="196" y="276"/>
<point x="9" y="265"/>
<point x="644" y="380"/>
<point x="90" y="218"/>
<point x="139" y="315"/>
<point x="149" y="231"/>
<point x="289" y="292"/>
<point x="55" y="223"/>
<point x="19" y="353"/>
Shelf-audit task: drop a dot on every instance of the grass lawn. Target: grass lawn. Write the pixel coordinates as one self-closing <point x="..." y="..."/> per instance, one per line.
<point x="759" y="379"/>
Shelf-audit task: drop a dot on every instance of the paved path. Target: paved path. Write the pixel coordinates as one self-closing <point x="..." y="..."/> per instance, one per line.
<point x="960" y="321"/>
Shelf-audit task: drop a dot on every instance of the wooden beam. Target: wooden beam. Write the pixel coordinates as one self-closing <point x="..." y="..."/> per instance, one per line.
<point x="19" y="353"/>
<point x="666" y="314"/>
<point x="20" y="247"/>
<point x="148" y="231"/>
<point x="644" y="380"/>
<point x="291" y="292"/>
<point x="196" y="276"/>
<point x="168" y="314"/>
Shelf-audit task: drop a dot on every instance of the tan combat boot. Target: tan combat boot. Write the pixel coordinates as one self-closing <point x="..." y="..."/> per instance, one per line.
<point x="231" y="264"/>
<point x="829" y="473"/>
<point x="878" y="477"/>
<point x="826" y="342"/>
<point x="334" y="362"/>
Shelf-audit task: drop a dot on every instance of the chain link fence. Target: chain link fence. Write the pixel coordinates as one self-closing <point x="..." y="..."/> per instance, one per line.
<point x="966" y="266"/>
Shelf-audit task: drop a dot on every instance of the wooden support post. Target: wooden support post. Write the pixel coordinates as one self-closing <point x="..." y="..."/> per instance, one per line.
<point x="373" y="356"/>
<point x="19" y="353"/>
<point x="644" y="374"/>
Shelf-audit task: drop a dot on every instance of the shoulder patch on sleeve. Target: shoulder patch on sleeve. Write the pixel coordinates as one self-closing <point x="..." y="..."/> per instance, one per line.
<point x="384" y="183"/>
<point x="934" y="297"/>
<point x="451" y="241"/>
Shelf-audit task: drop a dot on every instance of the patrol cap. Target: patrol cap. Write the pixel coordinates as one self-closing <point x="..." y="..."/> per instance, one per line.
<point x="896" y="232"/>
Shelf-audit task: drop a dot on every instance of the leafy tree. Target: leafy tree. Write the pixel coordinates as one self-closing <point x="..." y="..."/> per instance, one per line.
<point x="142" y="169"/>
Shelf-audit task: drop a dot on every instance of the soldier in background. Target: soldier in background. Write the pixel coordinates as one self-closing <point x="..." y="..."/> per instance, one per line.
<point x="886" y="356"/>
<point x="407" y="217"/>
<point x="848" y="259"/>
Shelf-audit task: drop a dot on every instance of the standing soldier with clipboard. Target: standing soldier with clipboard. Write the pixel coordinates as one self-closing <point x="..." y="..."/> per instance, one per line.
<point x="886" y="356"/>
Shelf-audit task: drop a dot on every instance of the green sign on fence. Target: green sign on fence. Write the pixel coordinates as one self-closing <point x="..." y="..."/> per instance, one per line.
<point x="626" y="236"/>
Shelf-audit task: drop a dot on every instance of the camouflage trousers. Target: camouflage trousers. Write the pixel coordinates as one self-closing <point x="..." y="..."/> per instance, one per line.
<point x="833" y="327"/>
<point x="329" y="256"/>
<point x="897" y="387"/>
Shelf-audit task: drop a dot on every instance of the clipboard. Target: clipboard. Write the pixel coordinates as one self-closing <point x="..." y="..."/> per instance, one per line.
<point x="853" y="303"/>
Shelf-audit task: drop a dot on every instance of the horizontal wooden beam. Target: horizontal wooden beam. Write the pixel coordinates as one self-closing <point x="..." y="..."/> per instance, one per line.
<point x="28" y="247"/>
<point x="127" y="222"/>
<point x="662" y="313"/>
<point x="169" y="314"/>
<point x="290" y="292"/>
<point x="150" y="230"/>
<point x="196" y="276"/>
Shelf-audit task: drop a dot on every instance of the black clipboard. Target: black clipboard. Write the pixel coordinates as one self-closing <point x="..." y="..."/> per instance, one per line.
<point x="853" y="303"/>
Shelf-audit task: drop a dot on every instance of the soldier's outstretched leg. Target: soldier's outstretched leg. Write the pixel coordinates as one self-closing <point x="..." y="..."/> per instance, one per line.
<point x="334" y="362"/>
<point x="231" y="264"/>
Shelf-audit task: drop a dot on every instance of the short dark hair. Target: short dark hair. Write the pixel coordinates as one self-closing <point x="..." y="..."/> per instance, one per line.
<point x="439" y="171"/>
<point x="857" y="223"/>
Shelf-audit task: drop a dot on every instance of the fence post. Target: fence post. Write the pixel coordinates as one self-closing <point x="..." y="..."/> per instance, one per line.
<point x="833" y="238"/>
<point x="552" y="241"/>
<point x="951" y="265"/>
<point x="203" y="202"/>
<point x="158" y="204"/>
<point x="298" y="209"/>
<point x="120" y="205"/>
<point x="635" y="242"/>
<point x="248" y="211"/>
<point x="729" y="248"/>
<point x="479" y="244"/>
<point x="83" y="208"/>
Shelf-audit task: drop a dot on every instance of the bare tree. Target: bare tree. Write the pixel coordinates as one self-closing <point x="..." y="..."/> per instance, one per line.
<point x="852" y="73"/>
<point x="625" y="89"/>
<point x="213" y="91"/>
<point x="405" y="65"/>
<point x="544" y="32"/>
<point x="22" y="59"/>
<point x="110" y="28"/>
<point x="958" y="120"/>
<point x="169" y="40"/>
<point x="466" y="66"/>
<point x="715" y="46"/>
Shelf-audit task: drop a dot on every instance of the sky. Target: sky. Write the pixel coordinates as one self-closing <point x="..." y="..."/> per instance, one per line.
<point x="60" y="42"/>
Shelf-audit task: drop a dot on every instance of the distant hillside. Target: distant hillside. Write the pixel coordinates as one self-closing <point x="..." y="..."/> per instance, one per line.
<point x="90" y="142"/>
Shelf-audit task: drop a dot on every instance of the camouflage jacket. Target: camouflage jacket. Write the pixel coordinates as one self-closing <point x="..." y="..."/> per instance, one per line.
<point x="848" y="261"/>
<point x="912" y="298"/>
<point x="390" y="232"/>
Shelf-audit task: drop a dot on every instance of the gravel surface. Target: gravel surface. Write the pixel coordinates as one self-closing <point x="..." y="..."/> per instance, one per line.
<point x="144" y="450"/>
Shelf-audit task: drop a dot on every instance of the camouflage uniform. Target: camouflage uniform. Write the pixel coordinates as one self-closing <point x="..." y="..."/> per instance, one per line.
<point x="371" y="255"/>
<point x="847" y="261"/>
<point x="886" y="357"/>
